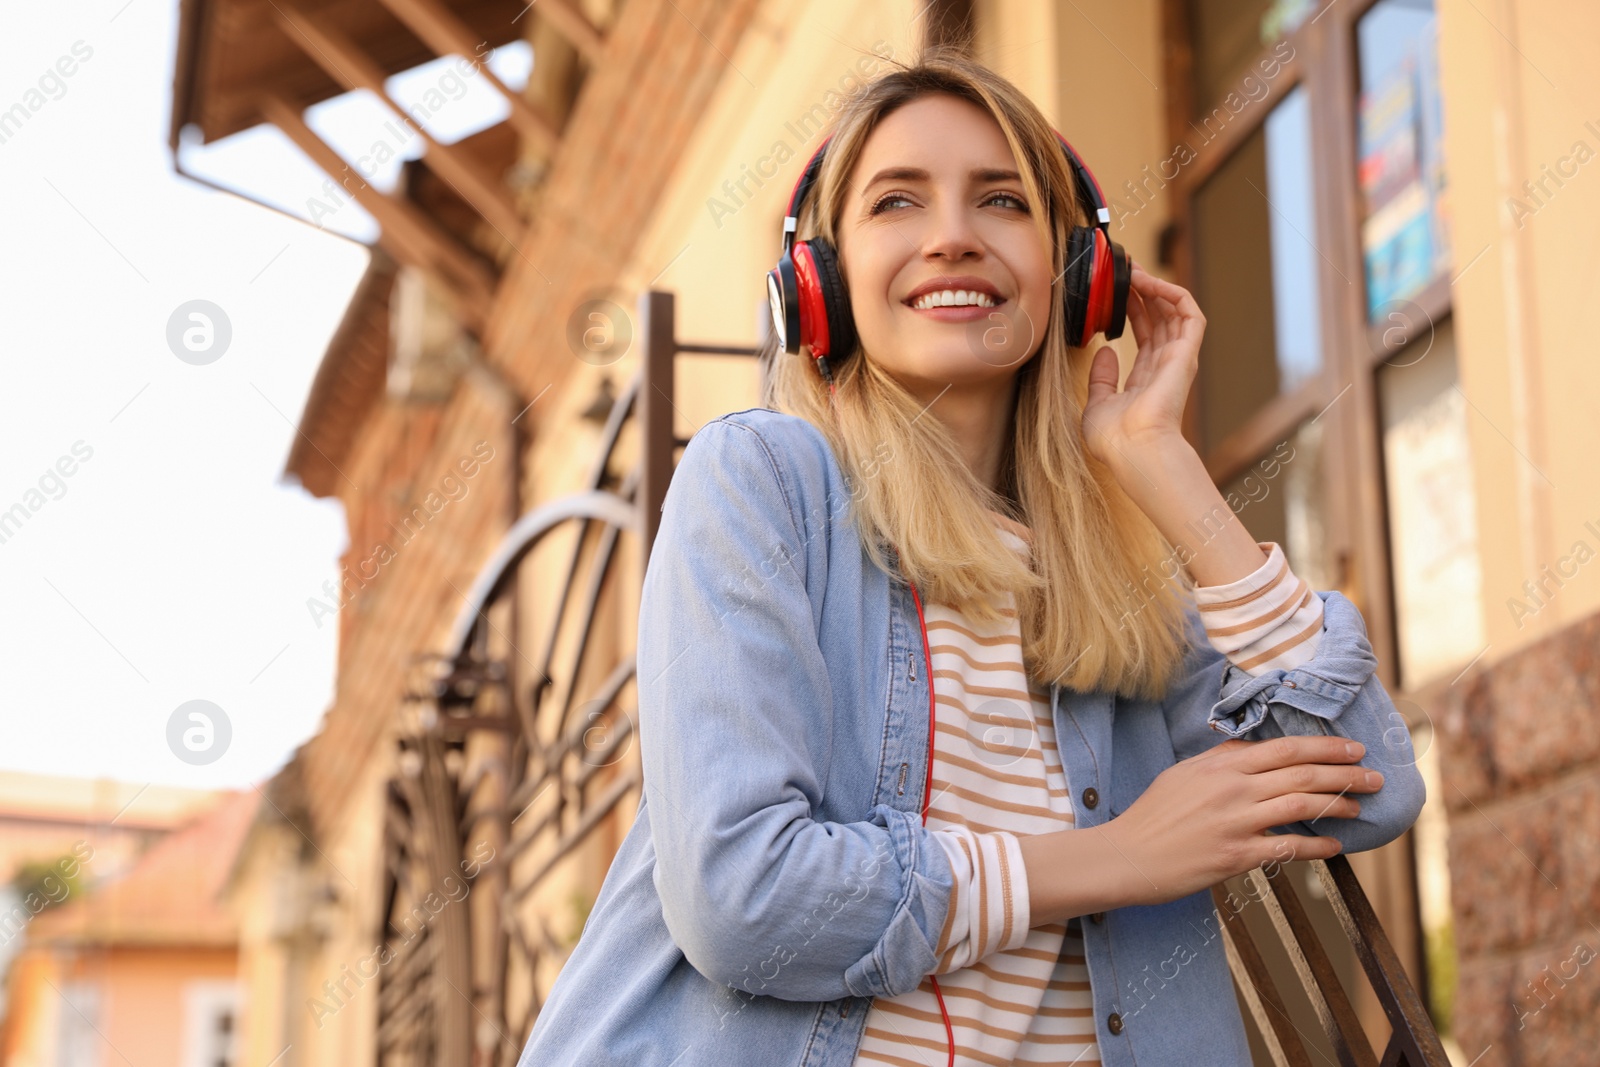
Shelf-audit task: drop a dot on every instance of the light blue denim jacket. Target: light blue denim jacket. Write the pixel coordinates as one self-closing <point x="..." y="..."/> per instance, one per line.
<point x="777" y="876"/>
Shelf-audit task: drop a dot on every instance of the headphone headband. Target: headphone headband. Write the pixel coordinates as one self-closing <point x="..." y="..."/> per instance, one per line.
<point x="802" y="186"/>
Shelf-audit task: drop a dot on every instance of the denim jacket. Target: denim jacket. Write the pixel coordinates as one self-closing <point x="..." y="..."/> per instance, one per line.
<point x="777" y="875"/>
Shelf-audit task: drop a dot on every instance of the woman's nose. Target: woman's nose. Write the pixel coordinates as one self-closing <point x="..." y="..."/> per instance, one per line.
<point x="951" y="232"/>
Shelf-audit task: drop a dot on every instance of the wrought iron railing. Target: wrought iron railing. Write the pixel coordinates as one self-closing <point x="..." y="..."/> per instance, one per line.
<point x="513" y="756"/>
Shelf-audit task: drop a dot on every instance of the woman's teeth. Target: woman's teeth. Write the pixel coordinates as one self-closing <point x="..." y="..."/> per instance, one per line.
<point x="953" y="298"/>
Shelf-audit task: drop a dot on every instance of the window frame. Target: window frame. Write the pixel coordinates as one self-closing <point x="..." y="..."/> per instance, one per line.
<point x="1345" y="392"/>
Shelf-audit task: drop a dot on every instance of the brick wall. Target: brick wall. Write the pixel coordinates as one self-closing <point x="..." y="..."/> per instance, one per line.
<point x="1521" y="769"/>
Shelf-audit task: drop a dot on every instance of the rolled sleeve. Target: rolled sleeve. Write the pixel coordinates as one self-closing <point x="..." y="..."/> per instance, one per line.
<point x="1322" y="687"/>
<point x="1337" y="692"/>
<point x="735" y="723"/>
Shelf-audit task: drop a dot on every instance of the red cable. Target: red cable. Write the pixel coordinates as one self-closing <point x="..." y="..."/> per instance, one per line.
<point x="927" y="799"/>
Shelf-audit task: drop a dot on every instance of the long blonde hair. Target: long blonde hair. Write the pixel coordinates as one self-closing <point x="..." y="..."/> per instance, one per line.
<point x="1100" y="606"/>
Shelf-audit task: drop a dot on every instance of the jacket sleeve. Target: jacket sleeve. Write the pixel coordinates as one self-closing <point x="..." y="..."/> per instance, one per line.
<point x="735" y="724"/>
<point x="1337" y="691"/>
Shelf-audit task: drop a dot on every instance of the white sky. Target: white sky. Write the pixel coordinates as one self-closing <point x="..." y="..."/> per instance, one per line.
<point x="172" y="565"/>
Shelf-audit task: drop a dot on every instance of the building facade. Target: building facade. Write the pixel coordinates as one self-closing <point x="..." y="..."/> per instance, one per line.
<point x="1382" y="207"/>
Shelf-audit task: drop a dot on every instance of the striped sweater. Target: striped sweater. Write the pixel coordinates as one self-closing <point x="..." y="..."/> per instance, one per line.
<point x="1016" y="993"/>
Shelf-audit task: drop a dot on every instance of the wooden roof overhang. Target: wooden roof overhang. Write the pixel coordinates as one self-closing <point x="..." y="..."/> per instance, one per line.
<point x="243" y="62"/>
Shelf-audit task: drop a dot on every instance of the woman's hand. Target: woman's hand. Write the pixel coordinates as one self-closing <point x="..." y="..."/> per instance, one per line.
<point x="1137" y="433"/>
<point x="1148" y="412"/>
<point x="1205" y="818"/>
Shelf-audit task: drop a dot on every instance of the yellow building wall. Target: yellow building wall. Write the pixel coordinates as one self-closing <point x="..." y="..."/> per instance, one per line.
<point x="1520" y="85"/>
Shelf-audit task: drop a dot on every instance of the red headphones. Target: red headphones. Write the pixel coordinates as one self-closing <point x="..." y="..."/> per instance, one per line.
<point x="810" y="306"/>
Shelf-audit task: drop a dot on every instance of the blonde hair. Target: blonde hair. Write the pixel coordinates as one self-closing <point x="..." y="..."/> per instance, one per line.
<point x="1098" y="605"/>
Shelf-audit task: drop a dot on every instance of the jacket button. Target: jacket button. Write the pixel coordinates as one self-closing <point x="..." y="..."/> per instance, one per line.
<point x="1114" y="1023"/>
<point x="1091" y="797"/>
<point x="1098" y="917"/>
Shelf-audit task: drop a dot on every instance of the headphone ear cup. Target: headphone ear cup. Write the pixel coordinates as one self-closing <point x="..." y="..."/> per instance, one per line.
<point x="835" y="300"/>
<point x="1076" y="282"/>
<point x="783" y="301"/>
<point x="1121" y="281"/>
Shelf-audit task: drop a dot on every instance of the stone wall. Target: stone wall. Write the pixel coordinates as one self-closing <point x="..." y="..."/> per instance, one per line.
<point x="1520" y="759"/>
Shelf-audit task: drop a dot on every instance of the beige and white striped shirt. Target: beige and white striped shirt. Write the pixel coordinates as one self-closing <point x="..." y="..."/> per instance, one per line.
<point x="1017" y="994"/>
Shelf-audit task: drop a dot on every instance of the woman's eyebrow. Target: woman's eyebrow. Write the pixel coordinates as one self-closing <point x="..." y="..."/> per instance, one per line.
<point x="977" y="176"/>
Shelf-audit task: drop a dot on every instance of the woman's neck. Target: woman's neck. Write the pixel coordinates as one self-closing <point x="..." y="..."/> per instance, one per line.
<point x="979" y="418"/>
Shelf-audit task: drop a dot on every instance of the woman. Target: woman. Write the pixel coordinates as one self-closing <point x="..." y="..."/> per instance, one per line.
<point x="964" y="521"/>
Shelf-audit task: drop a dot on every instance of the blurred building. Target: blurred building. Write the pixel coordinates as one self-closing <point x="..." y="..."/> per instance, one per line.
<point x="1384" y="208"/>
<point x="140" y="967"/>
<point x="63" y="836"/>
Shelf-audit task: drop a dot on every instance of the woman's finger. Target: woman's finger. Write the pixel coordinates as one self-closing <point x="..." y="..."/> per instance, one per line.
<point x="1177" y="294"/>
<point x="1162" y="316"/>
<point x="1103" y="374"/>
<point x="1277" y="752"/>
<point x="1329" y="778"/>
<point x="1138" y="319"/>
<point x="1297" y="847"/>
<point x="1182" y="305"/>
<point x="1144" y="356"/>
<point x="1192" y="331"/>
<point x="1141" y="297"/>
<point x="1306" y="807"/>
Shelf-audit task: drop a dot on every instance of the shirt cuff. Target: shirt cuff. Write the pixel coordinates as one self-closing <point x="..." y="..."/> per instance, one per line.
<point x="989" y="910"/>
<point x="1268" y="620"/>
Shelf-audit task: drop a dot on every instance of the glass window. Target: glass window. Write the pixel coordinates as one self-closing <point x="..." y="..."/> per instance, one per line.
<point x="78" y="1035"/>
<point x="1256" y="263"/>
<point x="1297" y="324"/>
<point x="211" y="1034"/>
<point x="1433" y="525"/>
<point x="1283" y="498"/>
<point x="1405" y="229"/>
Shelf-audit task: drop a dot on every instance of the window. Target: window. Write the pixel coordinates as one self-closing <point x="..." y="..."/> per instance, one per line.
<point x="210" y="1024"/>
<point x="1432" y="502"/>
<point x="1313" y="229"/>
<point x="1312" y="225"/>
<point x="1255" y="240"/>
<point x="1404" y="236"/>
<point x="77" y="1027"/>
<point x="1229" y="35"/>
<point x="1283" y="497"/>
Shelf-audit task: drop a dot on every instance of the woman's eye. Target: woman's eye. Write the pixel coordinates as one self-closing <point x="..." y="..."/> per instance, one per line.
<point x="886" y="198"/>
<point x="1017" y="201"/>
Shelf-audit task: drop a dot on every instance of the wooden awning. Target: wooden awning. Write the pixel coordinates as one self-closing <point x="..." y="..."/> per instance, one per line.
<point x="244" y="62"/>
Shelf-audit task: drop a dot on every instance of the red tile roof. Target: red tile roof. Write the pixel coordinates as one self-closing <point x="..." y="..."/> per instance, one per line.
<point x="170" y="894"/>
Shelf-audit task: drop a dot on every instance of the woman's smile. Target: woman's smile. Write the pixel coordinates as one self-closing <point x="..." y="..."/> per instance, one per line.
<point x="957" y="298"/>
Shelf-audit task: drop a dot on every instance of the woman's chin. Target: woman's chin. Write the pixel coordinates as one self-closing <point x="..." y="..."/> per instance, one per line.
<point x="951" y="367"/>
